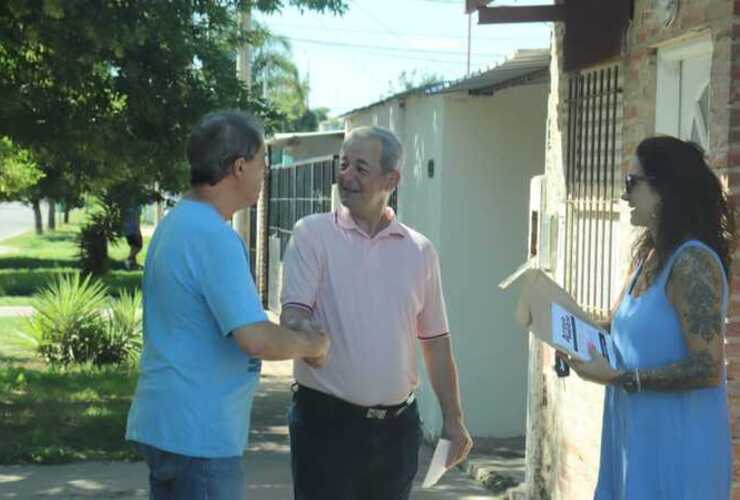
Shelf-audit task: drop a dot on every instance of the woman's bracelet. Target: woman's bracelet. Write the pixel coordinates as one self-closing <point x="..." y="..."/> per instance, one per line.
<point x="630" y="381"/>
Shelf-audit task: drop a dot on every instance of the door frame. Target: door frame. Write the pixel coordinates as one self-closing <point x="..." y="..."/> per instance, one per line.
<point x="668" y="92"/>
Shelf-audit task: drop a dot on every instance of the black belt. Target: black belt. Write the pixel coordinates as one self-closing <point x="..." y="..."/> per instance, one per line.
<point x="333" y="405"/>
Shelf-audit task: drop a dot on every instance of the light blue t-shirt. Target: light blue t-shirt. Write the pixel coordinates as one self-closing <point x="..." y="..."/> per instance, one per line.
<point x="195" y="388"/>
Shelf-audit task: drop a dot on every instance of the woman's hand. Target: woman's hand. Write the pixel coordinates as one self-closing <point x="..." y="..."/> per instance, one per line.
<point x="597" y="370"/>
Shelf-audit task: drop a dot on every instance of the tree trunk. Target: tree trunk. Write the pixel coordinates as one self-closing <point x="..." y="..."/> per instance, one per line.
<point x="38" y="219"/>
<point x="66" y="213"/>
<point x="52" y="217"/>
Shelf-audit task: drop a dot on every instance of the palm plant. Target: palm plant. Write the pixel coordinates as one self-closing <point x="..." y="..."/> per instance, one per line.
<point x="76" y="322"/>
<point x="276" y="76"/>
<point x="124" y="330"/>
<point x="67" y="323"/>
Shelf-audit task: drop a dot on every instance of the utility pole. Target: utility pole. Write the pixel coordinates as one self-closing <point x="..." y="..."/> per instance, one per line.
<point x="242" y="219"/>
<point x="470" y="32"/>
<point x="244" y="56"/>
<point x="244" y="73"/>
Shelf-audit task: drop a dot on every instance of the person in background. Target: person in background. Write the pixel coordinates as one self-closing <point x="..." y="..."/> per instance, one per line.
<point x="131" y="229"/>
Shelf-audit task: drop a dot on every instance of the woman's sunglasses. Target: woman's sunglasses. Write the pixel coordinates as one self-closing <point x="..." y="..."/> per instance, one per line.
<point x="631" y="180"/>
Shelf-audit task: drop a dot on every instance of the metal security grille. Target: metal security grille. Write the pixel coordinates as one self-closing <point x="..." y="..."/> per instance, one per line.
<point x="593" y="186"/>
<point x="296" y="190"/>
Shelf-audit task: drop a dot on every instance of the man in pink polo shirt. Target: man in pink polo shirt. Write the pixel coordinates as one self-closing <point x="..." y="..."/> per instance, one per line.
<point x="374" y="285"/>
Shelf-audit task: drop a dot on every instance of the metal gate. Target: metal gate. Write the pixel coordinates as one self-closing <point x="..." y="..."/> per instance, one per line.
<point x="296" y="190"/>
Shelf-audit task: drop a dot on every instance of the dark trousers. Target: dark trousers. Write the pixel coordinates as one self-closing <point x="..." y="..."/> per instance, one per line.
<point x="342" y="455"/>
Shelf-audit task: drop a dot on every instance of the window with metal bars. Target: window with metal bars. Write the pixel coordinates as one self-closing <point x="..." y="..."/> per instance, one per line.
<point x="594" y="155"/>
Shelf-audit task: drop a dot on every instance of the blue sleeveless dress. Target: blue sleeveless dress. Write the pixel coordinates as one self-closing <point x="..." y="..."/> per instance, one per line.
<point x="662" y="445"/>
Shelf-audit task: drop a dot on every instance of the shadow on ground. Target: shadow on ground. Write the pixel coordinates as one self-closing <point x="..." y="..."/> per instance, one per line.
<point x="36" y="263"/>
<point x="268" y="458"/>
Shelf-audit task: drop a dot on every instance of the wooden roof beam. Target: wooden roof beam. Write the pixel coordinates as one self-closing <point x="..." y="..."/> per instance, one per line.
<point x="528" y="14"/>
<point x="473" y="5"/>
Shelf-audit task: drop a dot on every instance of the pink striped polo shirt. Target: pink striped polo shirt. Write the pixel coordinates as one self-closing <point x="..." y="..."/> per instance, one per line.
<point x="373" y="296"/>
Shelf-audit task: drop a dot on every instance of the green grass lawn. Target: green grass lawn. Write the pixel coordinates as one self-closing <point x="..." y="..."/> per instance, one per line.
<point x="32" y="261"/>
<point x="14" y="300"/>
<point x="15" y="345"/>
<point x="52" y="416"/>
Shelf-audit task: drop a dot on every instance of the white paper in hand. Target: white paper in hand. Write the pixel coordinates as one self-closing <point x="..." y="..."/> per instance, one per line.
<point x="437" y="467"/>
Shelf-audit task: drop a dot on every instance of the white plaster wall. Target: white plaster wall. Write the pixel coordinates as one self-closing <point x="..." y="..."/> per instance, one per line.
<point x="493" y="147"/>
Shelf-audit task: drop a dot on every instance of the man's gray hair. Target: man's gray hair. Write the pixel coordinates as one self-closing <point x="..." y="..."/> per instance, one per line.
<point x="391" y="148"/>
<point x="218" y="140"/>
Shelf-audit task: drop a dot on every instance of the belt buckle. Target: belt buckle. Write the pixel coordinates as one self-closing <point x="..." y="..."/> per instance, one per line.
<point x="400" y="410"/>
<point x="376" y="413"/>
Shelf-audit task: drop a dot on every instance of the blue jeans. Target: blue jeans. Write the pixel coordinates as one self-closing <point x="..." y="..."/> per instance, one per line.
<point x="179" y="477"/>
<point x="340" y="456"/>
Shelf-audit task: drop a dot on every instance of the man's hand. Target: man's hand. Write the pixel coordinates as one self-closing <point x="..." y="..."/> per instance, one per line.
<point x="312" y="328"/>
<point x="597" y="370"/>
<point x="300" y="319"/>
<point x="460" y="441"/>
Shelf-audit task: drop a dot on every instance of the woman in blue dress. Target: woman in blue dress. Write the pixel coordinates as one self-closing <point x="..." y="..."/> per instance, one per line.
<point x="666" y="429"/>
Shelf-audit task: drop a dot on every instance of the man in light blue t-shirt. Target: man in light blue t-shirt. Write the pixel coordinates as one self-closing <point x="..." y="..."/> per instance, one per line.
<point x="205" y="332"/>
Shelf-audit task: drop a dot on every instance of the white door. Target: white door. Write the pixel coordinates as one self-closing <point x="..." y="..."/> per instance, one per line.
<point x="684" y="91"/>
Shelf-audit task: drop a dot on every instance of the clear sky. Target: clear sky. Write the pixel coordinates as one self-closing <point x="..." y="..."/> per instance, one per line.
<point x="351" y="59"/>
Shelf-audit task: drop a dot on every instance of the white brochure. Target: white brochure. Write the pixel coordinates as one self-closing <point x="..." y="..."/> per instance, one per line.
<point x="437" y="466"/>
<point x="576" y="337"/>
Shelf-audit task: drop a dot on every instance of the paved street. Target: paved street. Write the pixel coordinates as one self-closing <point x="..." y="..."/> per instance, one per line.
<point x="15" y="218"/>
<point x="268" y="458"/>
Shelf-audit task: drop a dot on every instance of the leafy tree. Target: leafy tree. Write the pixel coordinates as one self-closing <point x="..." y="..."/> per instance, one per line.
<point x="277" y="78"/>
<point x="111" y="87"/>
<point x="20" y="178"/>
<point x="105" y="91"/>
<point x="18" y="171"/>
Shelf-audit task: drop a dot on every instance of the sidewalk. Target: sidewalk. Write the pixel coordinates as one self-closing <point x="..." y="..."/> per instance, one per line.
<point x="268" y="461"/>
<point x="7" y="311"/>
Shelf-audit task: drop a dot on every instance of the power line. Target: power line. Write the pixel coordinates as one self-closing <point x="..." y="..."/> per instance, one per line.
<point x="370" y="32"/>
<point x="379" y="22"/>
<point x="387" y="52"/>
<point x="461" y="52"/>
<point x="415" y="58"/>
<point x="447" y="2"/>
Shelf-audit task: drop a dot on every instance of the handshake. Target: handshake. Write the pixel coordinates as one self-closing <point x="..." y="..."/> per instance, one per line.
<point x="317" y="340"/>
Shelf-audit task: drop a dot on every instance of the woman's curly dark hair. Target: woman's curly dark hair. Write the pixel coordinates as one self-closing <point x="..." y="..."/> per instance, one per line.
<point x="693" y="204"/>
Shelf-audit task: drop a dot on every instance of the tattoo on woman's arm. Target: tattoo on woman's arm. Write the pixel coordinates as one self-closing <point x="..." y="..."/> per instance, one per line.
<point x="696" y="371"/>
<point x="696" y="281"/>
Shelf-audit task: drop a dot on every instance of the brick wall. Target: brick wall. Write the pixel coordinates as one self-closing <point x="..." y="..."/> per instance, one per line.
<point x="731" y="154"/>
<point x="564" y="424"/>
